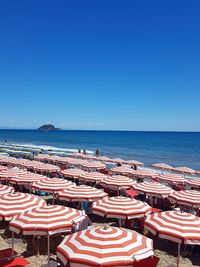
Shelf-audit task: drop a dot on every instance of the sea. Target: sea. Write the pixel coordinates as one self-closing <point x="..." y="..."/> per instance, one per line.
<point x="174" y="148"/>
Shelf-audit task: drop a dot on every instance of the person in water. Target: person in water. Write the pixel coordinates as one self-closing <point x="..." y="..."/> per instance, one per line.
<point x="84" y="151"/>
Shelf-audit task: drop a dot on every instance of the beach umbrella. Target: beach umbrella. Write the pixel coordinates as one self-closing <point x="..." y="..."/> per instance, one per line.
<point x="171" y="178"/>
<point x="104" y="246"/>
<point x="3" y="168"/>
<point x="134" y="162"/>
<point x="81" y="193"/>
<point x="117" y="160"/>
<point x="73" y="173"/>
<point x="11" y="173"/>
<point x="122" y="170"/>
<point x="51" y="185"/>
<point x="27" y="178"/>
<point x="194" y="182"/>
<point x="45" y="167"/>
<point x="77" y="155"/>
<point x="94" y="165"/>
<point x="145" y="174"/>
<point x="92" y="176"/>
<point x="162" y="166"/>
<point x="104" y="159"/>
<point x="186" y="197"/>
<point x="120" y="208"/>
<point x="4" y="189"/>
<point x="184" y="170"/>
<point x="41" y="157"/>
<point x="117" y="182"/>
<point x="12" y="204"/>
<point x="47" y="221"/>
<point x="153" y="189"/>
<point x="77" y="162"/>
<point x="176" y="226"/>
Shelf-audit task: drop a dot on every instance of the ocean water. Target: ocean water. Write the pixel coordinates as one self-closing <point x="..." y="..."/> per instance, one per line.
<point x="175" y="148"/>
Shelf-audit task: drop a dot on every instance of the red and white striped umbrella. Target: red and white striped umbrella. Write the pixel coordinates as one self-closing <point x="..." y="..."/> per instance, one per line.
<point x="4" y="189"/>
<point x="41" y="156"/>
<point x="77" y="155"/>
<point x="27" y="178"/>
<point x="45" y="167"/>
<point x="92" y="176"/>
<point x="175" y="226"/>
<point x="46" y="220"/>
<point x="153" y="189"/>
<point x="184" y="170"/>
<point x="122" y="170"/>
<point x="145" y="174"/>
<point x="77" y="162"/>
<point x="104" y="246"/>
<point x="73" y="173"/>
<point x="194" y="183"/>
<point x="3" y="168"/>
<point x="94" y="165"/>
<point x="13" y="204"/>
<point x="104" y="159"/>
<point x="11" y="173"/>
<point x="120" y="207"/>
<point x="117" y="182"/>
<point x="81" y="193"/>
<point x="51" y="185"/>
<point x="117" y="160"/>
<point x="162" y="166"/>
<point x="186" y="197"/>
<point x="172" y="178"/>
<point x="134" y="162"/>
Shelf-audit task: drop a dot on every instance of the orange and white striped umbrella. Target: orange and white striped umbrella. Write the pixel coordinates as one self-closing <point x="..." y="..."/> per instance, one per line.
<point x="153" y="189"/>
<point x="4" y="189"/>
<point x="104" y="246"/>
<point x="13" y="204"/>
<point x="122" y="170"/>
<point x="81" y="193"/>
<point x="94" y="165"/>
<point x="73" y="173"/>
<point x="46" y="220"/>
<point x="175" y="226"/>
<point x="121" y="208"/>
<point x="117" y="182"/>
<point x="51" y="185"/>
<point x="11" y="173"/>
<point x="184" y="170"/>
<point x="162" y="166"/>
<point x="186" y="197"/>
<point x="134" y="162"/>
<point x="194" y="183"/>
<point x="27" y="178"/>
<point x="172" y="178"/>
<point x="92" y="176"/>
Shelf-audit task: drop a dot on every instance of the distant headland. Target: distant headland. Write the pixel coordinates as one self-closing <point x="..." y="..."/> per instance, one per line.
<point x="48" y="127"/>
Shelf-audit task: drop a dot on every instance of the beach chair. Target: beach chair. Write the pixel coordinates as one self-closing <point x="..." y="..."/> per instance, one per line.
<point x="130" y="193"/>
<point x="148" y="262"/>
<point x="9" y="257"/>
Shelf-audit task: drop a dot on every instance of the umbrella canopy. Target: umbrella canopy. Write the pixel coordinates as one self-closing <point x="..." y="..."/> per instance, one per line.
<point x="172" y="178"/>
<point x="117" y="182"/>
<point x="175" y="226"/>
<point x="186" y="197"/>
<point x="11" y="173"/>
<point x="121" y="208"/>
<point x="162" y="166"/>
<point x="4" y="189"/>
<point x="73" y="173"/>
<point x="145" y="174"/>
<point x="108" y="246"/>
<point x="184" y="170"/>
<point x="134" y="162"/>
<point x="117" y="160"/>
<point x="194" y="182"/>
<point x="81" y="193"/>
<point x="104" y="159"/>
<point x="51" y="185"/>
<point x="153" y="189"/>
<point x="123" y="170"/>
<point x="13" y="204"/>
<point x="45" y="220"/>
<point x="97" y="165"/>
<point x="92" y="176"/>
<point x="45" y="167"/>
<point x="41" y="157"/>
<point x="2" y="168"/>
<point x="27" y="178"/>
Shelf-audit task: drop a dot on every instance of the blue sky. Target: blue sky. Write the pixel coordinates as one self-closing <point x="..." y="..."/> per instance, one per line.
<point x="125" y="65"/>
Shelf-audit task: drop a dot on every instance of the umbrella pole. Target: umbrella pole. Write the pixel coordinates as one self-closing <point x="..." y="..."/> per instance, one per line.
<point x="53" y="199"/>
<point x="48" y="247"/>
<point x="178" y="256"/>
<point x="12" y="243"/>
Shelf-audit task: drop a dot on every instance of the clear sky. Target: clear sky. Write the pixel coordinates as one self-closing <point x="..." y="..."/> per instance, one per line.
<point x="100" y="64"/>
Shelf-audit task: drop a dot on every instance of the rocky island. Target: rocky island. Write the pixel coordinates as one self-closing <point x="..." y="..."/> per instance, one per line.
<point x="48" y="127"/>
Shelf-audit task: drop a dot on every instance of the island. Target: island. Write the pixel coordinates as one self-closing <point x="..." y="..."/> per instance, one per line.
<point x="48" y="127"/>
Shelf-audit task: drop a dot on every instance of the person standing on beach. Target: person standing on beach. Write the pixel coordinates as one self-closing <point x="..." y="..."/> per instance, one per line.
<point x="97" y="152"/>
